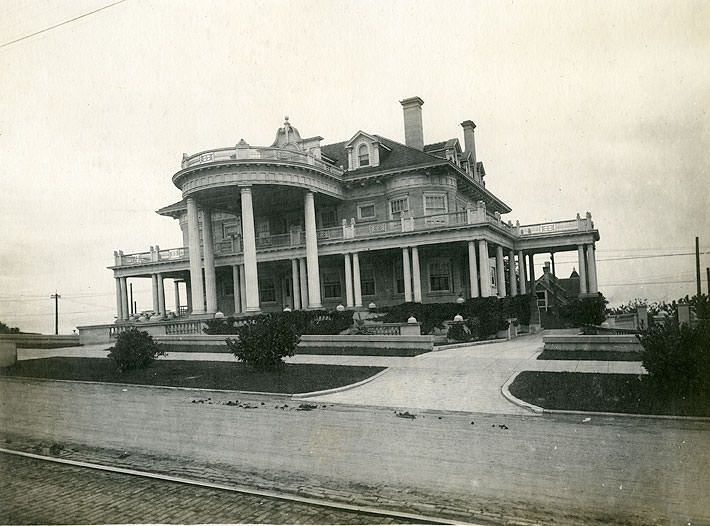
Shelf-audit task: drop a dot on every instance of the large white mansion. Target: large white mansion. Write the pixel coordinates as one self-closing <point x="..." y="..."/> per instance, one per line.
<point x="304" y="225"/>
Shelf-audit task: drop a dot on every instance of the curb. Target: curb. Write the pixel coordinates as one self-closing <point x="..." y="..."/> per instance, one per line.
<point x="541" y="410"/>
<point x="342" y="388"/>
<point x="505" y="391"/>
<point x="239" y="489"/>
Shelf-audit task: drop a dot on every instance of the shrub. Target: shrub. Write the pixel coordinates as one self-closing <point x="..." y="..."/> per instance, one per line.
<point x="490" y="312"/>
<point x="264" y="341"/>
<point x="303" y="322"/>
<point x="134" y="349"/>
<point x="459" y="331"/>
<point x="678" y="358"/>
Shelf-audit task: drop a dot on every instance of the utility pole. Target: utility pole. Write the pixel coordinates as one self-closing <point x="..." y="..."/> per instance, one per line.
<point x="697" y="263"/>
<point x="707" y="270"/>
<point x="56" y="297"/>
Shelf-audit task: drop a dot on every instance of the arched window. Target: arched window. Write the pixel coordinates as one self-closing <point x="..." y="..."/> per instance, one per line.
<point x="363" y="155"/>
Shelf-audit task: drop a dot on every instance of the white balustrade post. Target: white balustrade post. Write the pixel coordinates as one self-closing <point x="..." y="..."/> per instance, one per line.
<point x="197" y="291"/>
<point x="582" y="270"/>
<point x="314" y="298"/>
<point x="416" y="276"/>
<point x="124" y="299"/>
<point x="484" y="268"/>
<point x="356" y="280"/>
<point x="210" y="273"/>
<point x="251" y="276"/>
<point x="500" y="272"/>
<point x="472" y="269"/>
<point x="511" y="273"/>
<point x="295" y="285"/>
<point x="407" y="273"/>
<point x="348" y="282"/>
<point x="522" y="271"/>
<point x="237" y="289"/>
<point x="161" y="295"/>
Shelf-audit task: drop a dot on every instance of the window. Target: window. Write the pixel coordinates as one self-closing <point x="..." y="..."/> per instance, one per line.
<point x="329" y="218"/>
<point x="331" y="284"/>
<point x="398" y="207"/>
<point x="435" y="204"/>
<point x="262" y="228"/>
<point x="367" y="280"/>
<point x="231" y="229"/>
<point x="440" y="275"/>
<point x="398" y="277"/>
<point x="267" y="290"/>
<point x="542" y="299"/>
<point x="363" y="156"/>
<point x="494" y="276"/>
<point x="366" y="211"/>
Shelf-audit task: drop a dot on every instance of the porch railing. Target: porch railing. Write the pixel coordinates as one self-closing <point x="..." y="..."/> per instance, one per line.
<point x="364" y="230"/>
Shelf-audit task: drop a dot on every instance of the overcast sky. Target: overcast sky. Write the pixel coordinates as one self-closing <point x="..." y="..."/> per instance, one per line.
<point x="599" y="106"/>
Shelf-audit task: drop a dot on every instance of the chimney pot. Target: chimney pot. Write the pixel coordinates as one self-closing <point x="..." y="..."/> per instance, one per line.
<point x="469" y="141"/>
<point x="413" y="128"/>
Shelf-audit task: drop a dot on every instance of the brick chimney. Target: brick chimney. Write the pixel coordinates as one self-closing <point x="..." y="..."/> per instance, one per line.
<point x="413" y="129"/>
<point x="469" y="140"/>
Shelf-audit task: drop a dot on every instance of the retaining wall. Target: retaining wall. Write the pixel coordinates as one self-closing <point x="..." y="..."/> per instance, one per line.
<point x="41" y="341"/>
<point x="611" y="342"/>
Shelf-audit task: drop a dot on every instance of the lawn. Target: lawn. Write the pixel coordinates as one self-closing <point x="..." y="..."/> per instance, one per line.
<point x="602" y="356"/>
<point x="615" y="393"/>
<point x="293" y="378"/>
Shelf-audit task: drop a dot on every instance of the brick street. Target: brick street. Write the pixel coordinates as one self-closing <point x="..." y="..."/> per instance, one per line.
<point x="40" y="492"/>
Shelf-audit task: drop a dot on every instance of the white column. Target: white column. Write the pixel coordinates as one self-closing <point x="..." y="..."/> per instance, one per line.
<point x="511" y="273"/>
<point x="176" y="288"/>
<point x="124" y="299"/>
<point x="500" y="272"/>
<point x="582" y="270"/>
<point x="119" y="305"/>
<point x="161" y="295"/>
<point x="156" y="305"/>
<point x="208" y="250"/>
<point x="188" y="293"/>
<point x="314" y="300"/>
<point x="237" y="289"/>
<point x="472" y="269"/>
<point x="592" y="269"/>
<point x="356" y="280"/>
<point x="303" y="272"/>
<point x="193" y="233"/>
<point x="416" y="276"/>
<point x="522" y="271"/>
<point x="251" y="276"/>
<point x="295" y="285"/>
<point x="242" y="289"/>
<point x="484" y="268"/>
<point x="348" y="282"/>
<point x="407" y="273"/>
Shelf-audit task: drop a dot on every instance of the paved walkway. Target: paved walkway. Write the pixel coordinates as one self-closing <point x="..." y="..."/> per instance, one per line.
<point x="460" y="379"/>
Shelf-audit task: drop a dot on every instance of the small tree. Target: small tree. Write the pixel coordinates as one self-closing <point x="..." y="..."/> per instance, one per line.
<point x="263" y="342"/>
<point x="134" y="349"/>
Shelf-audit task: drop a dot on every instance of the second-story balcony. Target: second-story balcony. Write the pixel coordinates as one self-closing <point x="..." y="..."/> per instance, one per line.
<point x="372" y="230"/>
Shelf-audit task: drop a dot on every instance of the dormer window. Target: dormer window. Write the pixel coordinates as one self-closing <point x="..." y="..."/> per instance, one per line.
<point x="363" y="155"/>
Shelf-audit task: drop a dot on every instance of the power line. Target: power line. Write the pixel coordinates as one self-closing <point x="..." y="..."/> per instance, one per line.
<point x="60" y="24"/>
